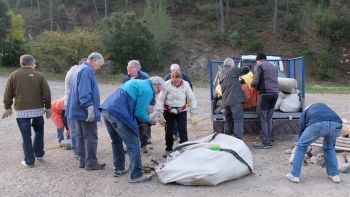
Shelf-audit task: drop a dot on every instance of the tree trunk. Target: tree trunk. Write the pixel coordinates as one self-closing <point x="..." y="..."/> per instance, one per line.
<point x="51" y="20"/>
<point x="274" y="20"/>
<point x="222" y="21"/>
<point x="227" y="11"/>
<point x="96" y="8"/>
<point x="17" y="6"/>
<point x="106" y="6"/>
<point x="31" y="7"/>
<point x="38" y="5"/>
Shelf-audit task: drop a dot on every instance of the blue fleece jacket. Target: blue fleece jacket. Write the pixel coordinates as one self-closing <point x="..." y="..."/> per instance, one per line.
<point x="130" y="102"/>
<point x="317" y="112"/>
<point x="84" y="92"/>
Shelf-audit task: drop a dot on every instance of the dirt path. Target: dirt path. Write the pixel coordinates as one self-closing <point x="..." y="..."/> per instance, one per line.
<point x="59" y="175"/>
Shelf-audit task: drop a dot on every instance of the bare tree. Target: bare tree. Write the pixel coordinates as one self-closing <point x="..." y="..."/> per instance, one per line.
<point x="106" y="6"/>
<point x="222" y="21"/>
<point x="287" y="12"/>
<point x="274" y="20"/>
<point x="96" y="8"/>
<point x="51" y="19"/>
<point x="38" y="5"/>
<point x="17" y="6"/>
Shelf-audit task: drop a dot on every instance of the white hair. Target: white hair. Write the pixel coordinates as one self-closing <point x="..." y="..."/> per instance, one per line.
<point x="229" y="62"/>
<point x="174" y="67"/>
<point x="158" y="81"/>
<point x="136" y="64"/>
<point x="95" y="56"/>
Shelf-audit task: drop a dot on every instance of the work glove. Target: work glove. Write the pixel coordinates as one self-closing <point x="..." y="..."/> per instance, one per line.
<point x="194" y="119"/>
<point x="161" y="119"/>
<point x="150" y="109"/>
<point x="152" y="121"/>
<point x="7" y="113"/>
<point x="48" y="113"/>
<point x="91" y="114"/>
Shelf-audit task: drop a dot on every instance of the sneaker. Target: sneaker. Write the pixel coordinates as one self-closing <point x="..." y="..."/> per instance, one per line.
<point x="262" y="146"/>
<point x="143" y="178"/>
<point x="39" y="158"/>
<point x="119" y="173"/>
<point x="144" y="149"/>
<point x="61" y="144"/>
<point x="149" y="141"/>
<point x="335" y="179"/>
<point x="67" y="145"/>
<point x="166" y="154"/>
<point x="81" y="165"/>
<point x="98" y="166"/>
<point x="75" y="156"/>
<point x="24" y="164"/>
<point x="293" y="178"/>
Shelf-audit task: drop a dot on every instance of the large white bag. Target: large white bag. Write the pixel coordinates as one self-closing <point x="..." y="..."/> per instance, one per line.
<point x="288" y="85"/>
<point x="291" y="103"/>
<point x="208" y="161"/>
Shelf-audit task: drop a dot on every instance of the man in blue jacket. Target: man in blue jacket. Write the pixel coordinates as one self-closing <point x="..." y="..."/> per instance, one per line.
<point x="317" y="121"/>
<point x="121" y="111"/>
<point x="83" y="104"/>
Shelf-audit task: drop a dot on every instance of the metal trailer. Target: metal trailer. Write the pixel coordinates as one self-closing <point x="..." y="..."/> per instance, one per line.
<point x="283" y="123"/>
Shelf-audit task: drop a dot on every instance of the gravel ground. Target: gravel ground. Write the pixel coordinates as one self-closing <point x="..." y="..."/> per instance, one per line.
<point x="59" y="175"/>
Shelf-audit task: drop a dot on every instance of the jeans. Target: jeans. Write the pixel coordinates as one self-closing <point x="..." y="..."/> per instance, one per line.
<point x="119" y="133"/>
<point x="265" y="109"/>
<point x="181" y="120"/>
<point x="87" y="143"/>
<point x="35" y="149"/>
<point x="73" y="125"/>
<point x="145" y="133"/>
<point x="234" y="113"/>
<point x="329" y="131"/>
<point x="60" y="131"/>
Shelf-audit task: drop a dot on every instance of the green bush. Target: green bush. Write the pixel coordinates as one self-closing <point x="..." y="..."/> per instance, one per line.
<point x="127" y="38"/>
<point x="214" y="36"/>
<point x="235" y="39"/>
<point x="254" y="45"/>
<point x="57" y="51"/>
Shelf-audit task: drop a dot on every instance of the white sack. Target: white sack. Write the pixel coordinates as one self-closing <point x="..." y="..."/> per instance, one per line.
<point x="288" y="85"/>
<point x="291" y="103"/>
<point x="198" y="165"/>
<point x="281" y="96"/>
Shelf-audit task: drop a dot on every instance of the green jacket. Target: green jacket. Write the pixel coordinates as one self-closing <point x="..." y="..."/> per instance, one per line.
<point x="29" y="88"/>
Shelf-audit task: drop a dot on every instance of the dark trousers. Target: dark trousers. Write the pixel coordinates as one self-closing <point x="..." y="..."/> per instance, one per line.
<point x="235" y="114"/>
<point x="145" y="133"/>
<point x="265" y="109"/>
<point x="87" y="143"/>
<point x="181" y="121"/>
<point x="35" y="149"/>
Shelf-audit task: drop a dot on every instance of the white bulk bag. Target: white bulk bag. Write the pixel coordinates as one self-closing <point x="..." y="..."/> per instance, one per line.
<point x="281" y="96"/>
<point x="288" y="85"/>
<point x="208" y="161"/>
<point x="291" y="103"/>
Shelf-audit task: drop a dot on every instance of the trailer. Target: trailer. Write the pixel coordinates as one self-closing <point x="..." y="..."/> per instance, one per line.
<point x="283" y="122"/>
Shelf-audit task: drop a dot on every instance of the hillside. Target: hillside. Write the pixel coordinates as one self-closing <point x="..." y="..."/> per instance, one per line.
<point x="197" y="36"/>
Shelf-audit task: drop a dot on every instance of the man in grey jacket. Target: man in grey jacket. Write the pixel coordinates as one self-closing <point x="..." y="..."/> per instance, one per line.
<point x="232" y="97"/>
<point x="266" y="82"/>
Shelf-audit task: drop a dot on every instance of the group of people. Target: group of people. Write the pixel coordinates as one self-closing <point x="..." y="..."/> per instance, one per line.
<point x="126" y="112"/>
<point x="318" y="120"/>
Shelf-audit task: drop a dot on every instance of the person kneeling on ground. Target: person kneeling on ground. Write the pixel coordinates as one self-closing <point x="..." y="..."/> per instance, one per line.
<point x="121" y="111"/>
<point x="317" y="121"/>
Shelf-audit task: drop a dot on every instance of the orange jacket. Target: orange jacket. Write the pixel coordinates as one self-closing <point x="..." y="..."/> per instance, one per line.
<point x="57" y="107"/>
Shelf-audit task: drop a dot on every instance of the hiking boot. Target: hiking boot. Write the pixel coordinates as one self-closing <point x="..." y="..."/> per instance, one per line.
<point x="143" y="178"/>
<point x="293" y="178"/>
<point x="261" y="146"/>
<point x="98" y="166"/>
<point x="167" y="153"/>
<point x="144" y="149"/>
<point x="24" y="164"/>
<point x="335" y="179"/>
<point x="119" y="173"/>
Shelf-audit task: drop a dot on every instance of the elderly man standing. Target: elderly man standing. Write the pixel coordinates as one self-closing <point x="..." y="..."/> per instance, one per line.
<point x="121" y="111"/>
<point x="83" y="104"/>
<point x="32" y="97"/>
<point x="266" y="82"/>
<point x="232" y="97"/>
<point x="134" y="72"/>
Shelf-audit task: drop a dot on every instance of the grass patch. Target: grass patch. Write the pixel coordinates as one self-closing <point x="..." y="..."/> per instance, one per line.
<point x="326" y="89"/>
